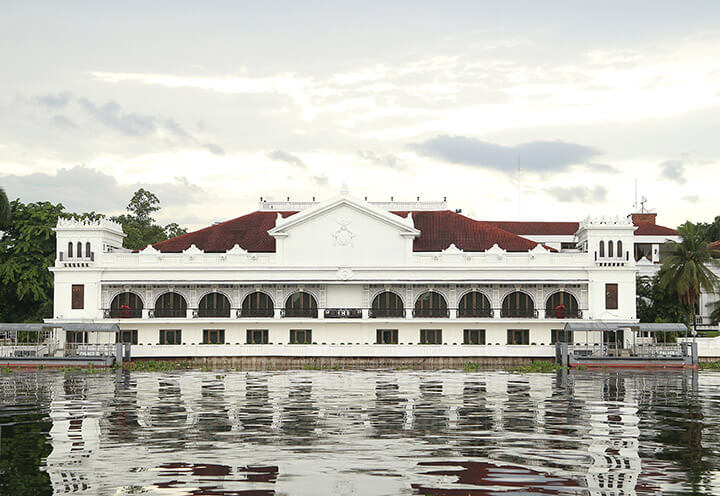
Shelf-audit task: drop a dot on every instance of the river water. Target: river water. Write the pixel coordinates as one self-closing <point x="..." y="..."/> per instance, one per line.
<point x="360" y="432"/>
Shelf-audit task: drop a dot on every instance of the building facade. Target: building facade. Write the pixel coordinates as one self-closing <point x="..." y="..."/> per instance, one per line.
<point x="349" y="273"/>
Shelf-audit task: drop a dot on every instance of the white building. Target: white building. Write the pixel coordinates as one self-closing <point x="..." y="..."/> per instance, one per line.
<point x="350" y="273"/>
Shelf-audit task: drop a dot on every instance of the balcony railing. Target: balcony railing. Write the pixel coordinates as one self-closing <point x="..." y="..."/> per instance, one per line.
<point x="255" y="312"/>
<point x="554" y="313"/>
<point x="162" y="313"/>
<point x="431" y="312"/>
<point x="509" y="313"/>
<point x="385" y="313"/>
<point x="122" y="313"/>
<point x="343" y="313"/>
<point x="476" y="313"/>
<point x="212" y="312"/>
<point x="309" y="313"/>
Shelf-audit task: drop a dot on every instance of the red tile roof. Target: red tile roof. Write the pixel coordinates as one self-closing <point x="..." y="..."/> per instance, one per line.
<point x="439" y="229"/>
<point x="538" y="228"/>
<point x="715" y="245"/>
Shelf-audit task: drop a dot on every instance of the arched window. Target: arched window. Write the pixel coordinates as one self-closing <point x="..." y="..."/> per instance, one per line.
<point x="214" y="305"/>
<point x="562" y="305"/>
<point x="126" y="305"/>
<point x="619" y="249"/>
<point x="387" y="304"/>
<point x="610" y="249"/>
<point x="87" y="249"/>
<point x="170" y="305"/>
<point x="474" y="304"/>
<point x="79" y="249"/>
<point x="70" y="249"/>
<point x="602" y="249"/>
<point x="257" y="304"/>
<point x="301" y="304"/>
<point x="430" y="304"/>
<point x="518" y="304"/>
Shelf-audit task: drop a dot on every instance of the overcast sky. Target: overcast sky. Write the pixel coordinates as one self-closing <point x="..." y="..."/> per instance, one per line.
<point x="532" y="110"/>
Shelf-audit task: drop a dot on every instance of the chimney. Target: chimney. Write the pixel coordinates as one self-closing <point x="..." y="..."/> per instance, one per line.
<point x="644" y="217"/>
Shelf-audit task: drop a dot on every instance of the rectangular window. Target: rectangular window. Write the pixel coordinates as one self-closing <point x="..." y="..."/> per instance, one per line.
<point x="214" y="336"/>
<point x="430" y="336"/>
<point x="170" y="336"/>
<point x="127" y="337"/>
<point x="474" y="336"/>
<point x="257" y="336"/>
<point x="78" y="296"/>
<point x="387" y="336"/>
<point x="611" y="296"/>
<point x="561" y="336"/>
<point x="77" y="337"/>
<point x="567" y="246"/>
<point x="300" y="336"/>
<point x="518" y="336"/>
<point x="643" y="250"/>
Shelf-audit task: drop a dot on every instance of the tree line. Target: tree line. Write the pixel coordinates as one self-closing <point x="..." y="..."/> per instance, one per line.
<point x="27" y="248"/>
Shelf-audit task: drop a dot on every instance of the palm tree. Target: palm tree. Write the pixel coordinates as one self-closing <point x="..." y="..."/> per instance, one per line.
<point x="4" y="209"/>
<point x="686" y="268"/>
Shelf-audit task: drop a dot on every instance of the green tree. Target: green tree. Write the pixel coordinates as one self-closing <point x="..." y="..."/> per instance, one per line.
<point x="4" y="209"/>
<point x="686" y="269"/>
<point x="139" y="224"/>
<point x="27" y="249"/>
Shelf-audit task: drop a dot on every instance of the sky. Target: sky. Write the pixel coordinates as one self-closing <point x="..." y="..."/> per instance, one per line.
<point x="512" y="110"/>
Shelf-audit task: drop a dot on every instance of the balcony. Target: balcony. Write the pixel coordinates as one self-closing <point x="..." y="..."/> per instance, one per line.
<point x="342" y="313"/>
<point x="164" y="313"/>
<point x="307" y="313"/>
<point x="212" y="313"/>
<point x="385" y="313"/>
<point x="554" y="313"/>
<point x="487" y="313"/>
<point x="431" y="312"/>
<point x="518" y="313"/>
<point x="122" y="313"/>
<point x="255" y="312"/>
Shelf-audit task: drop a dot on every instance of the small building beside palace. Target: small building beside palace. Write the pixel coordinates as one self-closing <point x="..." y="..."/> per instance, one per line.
<point x="356" y="275"/>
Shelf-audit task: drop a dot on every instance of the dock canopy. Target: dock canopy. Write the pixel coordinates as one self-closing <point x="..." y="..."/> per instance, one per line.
<point x="613" y="326"/>
<point x="90" y="326"/>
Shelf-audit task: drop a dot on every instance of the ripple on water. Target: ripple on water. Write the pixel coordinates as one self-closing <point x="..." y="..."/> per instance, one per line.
<point x="359" y="432"/>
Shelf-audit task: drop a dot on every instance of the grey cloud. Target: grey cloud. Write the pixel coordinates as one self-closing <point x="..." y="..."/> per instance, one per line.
<point x="214" y="149"/>
<point x="691" y="198"/>
<point x="63" y="122"/>
<point x="282" y="156"/>
<point x="390" y="161"/>
<point x="320" y="180"/>
<point x="55" y="100"/>
<point x="111" y="115"/>
<point x="83" y="189"/>
<point x="608" y="169"/>
<point x="578" y="194"/>
<point x="539" y="156"/>
<point x="673" y="170"/>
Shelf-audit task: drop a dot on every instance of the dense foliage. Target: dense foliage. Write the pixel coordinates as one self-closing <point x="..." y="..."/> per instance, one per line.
<point x="4" y="209"/>
<point x="27" y="249"/>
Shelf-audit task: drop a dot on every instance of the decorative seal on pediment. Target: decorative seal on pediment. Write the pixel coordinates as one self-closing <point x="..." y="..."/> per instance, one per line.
<point x="343" y="236"/>
<point x="344" y="273"/>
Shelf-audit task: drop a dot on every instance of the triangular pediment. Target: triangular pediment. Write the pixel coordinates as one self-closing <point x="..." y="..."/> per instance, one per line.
<point x="404" y="226"/>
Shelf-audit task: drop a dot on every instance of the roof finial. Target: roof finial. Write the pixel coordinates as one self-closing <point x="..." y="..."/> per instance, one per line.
<point x="344" y="189"/>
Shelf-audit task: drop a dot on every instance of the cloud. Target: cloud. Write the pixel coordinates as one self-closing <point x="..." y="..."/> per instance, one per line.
<point x="131" y="124"/>
<point x="578" y="194"/>
<point x="320" y="180"/>
<point x="282" y="156"/>
<point x="691" y="198"/>
<point x="539" y="156"/>
<point x="55" y="100"/>
<point x="82" y="189"/>
<point x="63" y="122"/>
<point x="673" y="170"/>
<point x="390" y="161"/>
<point x="214" y="149"/>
